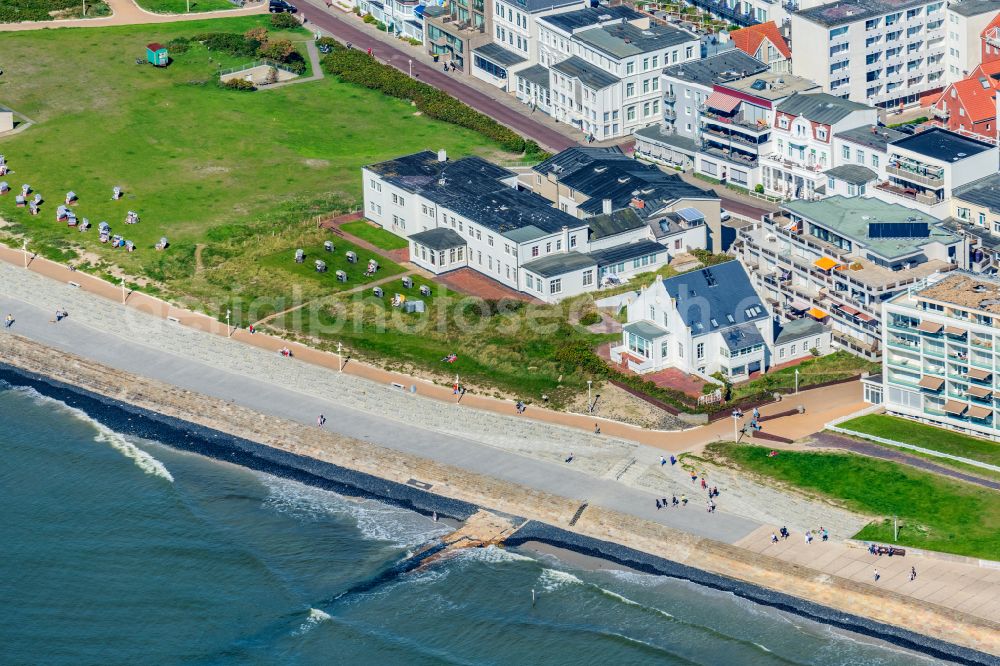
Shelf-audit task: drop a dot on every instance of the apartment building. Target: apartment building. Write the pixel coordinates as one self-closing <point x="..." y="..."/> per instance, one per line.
<point x="968" y="31"/>
<point x="469" y="213"/>
<point x="975" y="213"/>
<point x="587" y="182"/>
<point x="924" y="169"/>
<point x="748" y="12"/>
<point x="677" y="140"/>
<point x="803" y="140"/>
<point x="838" y="259"/>
<point x="737" y="121"/>
<point x="860" y="157"/>
<point x="604" y="67"/>
<point x="940" y="365"/>
<point x="765" y="43"/>
<point x="515" y="41"/>
<point x="888" y="53"/>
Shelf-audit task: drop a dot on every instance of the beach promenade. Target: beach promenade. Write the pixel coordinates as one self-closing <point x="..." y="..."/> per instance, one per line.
<point x="849" y="592"/>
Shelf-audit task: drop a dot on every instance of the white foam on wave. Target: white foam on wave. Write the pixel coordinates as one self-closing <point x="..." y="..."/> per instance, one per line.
<point x="637" y="578"/>
<point x="375" y="520"/>
<point x="315" y="617"/>
<point x="491" y="555"/>
<point x="635" y="604"/>
<point x="143" y="460"/>
<point x="553" y="579"/>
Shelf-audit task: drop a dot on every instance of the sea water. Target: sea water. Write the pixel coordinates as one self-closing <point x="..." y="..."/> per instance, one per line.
<point x="123" y="551"/>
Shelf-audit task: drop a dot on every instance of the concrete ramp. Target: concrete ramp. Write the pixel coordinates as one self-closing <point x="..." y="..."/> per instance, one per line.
<point x="482" y="529"/>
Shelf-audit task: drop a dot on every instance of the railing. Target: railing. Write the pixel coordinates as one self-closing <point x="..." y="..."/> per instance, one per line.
<point x="739" y="121"/>
<point x="914" y="177"/>
<point x="919" y="197"/>
<point x="256" y="63"/>
<point x="730" y="156"/>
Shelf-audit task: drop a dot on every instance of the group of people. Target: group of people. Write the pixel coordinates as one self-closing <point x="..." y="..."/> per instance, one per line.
<point x="663" y="503"/>
<point x="520" y="407"/>
<point x="449" y="66"/>
<point x="286" y="352"/>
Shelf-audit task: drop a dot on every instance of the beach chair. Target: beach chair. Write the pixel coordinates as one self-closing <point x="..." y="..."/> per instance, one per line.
<point x="300" y="256"/>
<point x="328" y="246"/>
<point x="425" y="290"/>
<point x="341" y="276"/>
<point x="408" y="282"/>
<point x="377" y="292"/>
<point x="320" y="266"/>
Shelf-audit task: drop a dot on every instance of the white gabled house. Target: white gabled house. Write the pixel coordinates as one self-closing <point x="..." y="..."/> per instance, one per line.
<point x="702" y="322"/>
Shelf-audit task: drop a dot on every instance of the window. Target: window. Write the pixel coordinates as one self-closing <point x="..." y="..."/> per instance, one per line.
<point x="664" y="349"/>
<point x="875" y="161"/>
<point x="534" y="250"/>
<point x="375" y="185"/>
<point x="630" y="113"/>
<point x="982" y="219"/>
<point x="851" y="190"/>
<point x="793" y="349"/>
<point x="680" y="350"/>
<point x="489" y="241"/>
<point x="630" y="90"/>
<point x="656" y="61"/>
<point x="963" y="213"/>
<point x="572" y="241"/>
<point x="529" y="281"/>
<point x="645" y="86"/>
<point x="588" y="278"/>
<point x="859" y="156"/>
<point x="548" y="248"/>
<point x="821" y="134"/>
<point x="555" y="286"/>
<point x="700" y="351"/>
<point x="645" y="64"/>
<point x="830" y="184"/>
<point x="630" y="67"/>
<point x="398" y="200"/>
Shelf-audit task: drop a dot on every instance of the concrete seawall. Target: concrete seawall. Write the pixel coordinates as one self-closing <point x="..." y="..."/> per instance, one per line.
<point x="223" y="430"/>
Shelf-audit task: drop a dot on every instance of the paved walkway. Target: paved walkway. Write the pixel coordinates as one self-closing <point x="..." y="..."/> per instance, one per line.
<point x="126" y="12"/>
<point x="829" y="440"/>
<point x="314" y="65"/>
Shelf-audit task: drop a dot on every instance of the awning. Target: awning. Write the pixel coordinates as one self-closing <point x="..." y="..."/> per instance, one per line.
<point x="799" y="305"/>
<point x="954" y="330"/>
<point x="825" y="263"/>
<point x="955" y="407"/>
<point x="929" y="327"/>
<point x="816" y="313"/>
<point x="722" y="102"/>
<point x="931" y="383"/>
<point x="867" y="318"/>
<point x="980" y="391"/>
<point x="978" y="412"/>
<point x="848" y="310"/>
<point x="979" y="375"/>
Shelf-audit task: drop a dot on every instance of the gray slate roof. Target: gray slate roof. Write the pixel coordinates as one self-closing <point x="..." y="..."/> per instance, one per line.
<point x="537" y="74"/>
<point x="542" y="5"/>
<point x="627" y="252"/>
<point x="722" y="292"/>
<point x="590" y="75"/>
<point x="581" y="18"/>
<point x="742" y="336"/>
<point x="975" y="7"/>
<point x="797" y="329"/>
<point x="852" y="173"/>
<point x="983" y="192"/>
<point x="726" y="66"/>
<point x="618" y="222"/>
<point x="622" y="40"/>
<point x="963" y="228"/>
<point x="655" y="134"/>
<point x="646" y="330"/>
<point x="820" y="107"/>
<point x="440" y="238"/>
<point x="498" y="54"/>
<point x="876" y="140"/>
<point x="559" y="264"/>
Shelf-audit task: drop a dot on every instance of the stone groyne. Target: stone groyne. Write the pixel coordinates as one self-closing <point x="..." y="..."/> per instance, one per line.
<point x="226" y="431"/>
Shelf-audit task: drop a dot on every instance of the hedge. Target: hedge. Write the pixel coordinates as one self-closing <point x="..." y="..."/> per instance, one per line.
<point x="355" y="66"/>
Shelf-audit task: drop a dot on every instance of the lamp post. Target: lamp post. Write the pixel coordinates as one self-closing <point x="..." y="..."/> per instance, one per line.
<point x="796" y="380"/>
<point x="124" y="295"/>
<point x="411" y="67"/>
<point x="590" y="401"/>
<point x="736" y="421"/>
<point x="24" y="246"/>
<point x="229" y="329"/>
<point x="340" y="358"/>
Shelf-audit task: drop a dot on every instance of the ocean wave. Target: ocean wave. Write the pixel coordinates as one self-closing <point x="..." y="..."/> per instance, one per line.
<point x="143" y="460"/>
<point x="315" y="617"/>
<point x="553" y="579"/>
<point x="635" y="604"/>
<point x="491" y="555"/>
<point x="375" y="520"/>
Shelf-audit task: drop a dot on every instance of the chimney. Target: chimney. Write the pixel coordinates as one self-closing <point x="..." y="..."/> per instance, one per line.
<point x="442" y="155"/>
<point x="637" y="203"/>
<point x="606" y="206"/>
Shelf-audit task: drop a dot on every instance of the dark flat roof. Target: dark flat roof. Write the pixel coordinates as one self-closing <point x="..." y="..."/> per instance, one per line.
<point x="589" y="75"/>
<point x="940" y="144"/>
<point x="542" y="5"/>
<point x="983" y="192"/>
<point x="441" y="238"/>
<point x="726" y="66"/>
<point x="850" y="11"/>
<point x="559" y="264"/>
<point x="619" y="253"/>
<point x="852" y="173"/>
<point x="798" y="329"/>
<point x="622" y="40"/>
<point x="612" y="224"/>
<point x="537" y="74"/>
<point x="498" y="54"/>
<point x="581" y="18"/>
<point x="820" y="107"/>
<point x="875" y="140"/>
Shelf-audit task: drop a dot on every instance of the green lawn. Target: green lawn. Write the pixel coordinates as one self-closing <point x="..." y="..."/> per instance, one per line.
<point x="182" y="6"/>
<point x="838" y="365"/>
<point x="284" y="261"/>
<point x="227" y="177"/>
<point x="14" y="11"/>
<point x="934" y="512"/>
<point x="377" y="236"/>
<point x="928" y="437"/>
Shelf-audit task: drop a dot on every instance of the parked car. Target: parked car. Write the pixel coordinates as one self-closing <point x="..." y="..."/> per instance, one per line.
<point x="280" y="6"/>
<point x="725" y="215"/>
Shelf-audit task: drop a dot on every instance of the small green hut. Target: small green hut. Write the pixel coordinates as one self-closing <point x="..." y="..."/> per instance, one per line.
<point x="157" y="54"/>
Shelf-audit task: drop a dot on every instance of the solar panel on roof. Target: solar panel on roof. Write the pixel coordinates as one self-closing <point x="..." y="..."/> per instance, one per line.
<point x="910" y="229"/>
<point x="759" y="84"/>
<point x="709" y="278"/>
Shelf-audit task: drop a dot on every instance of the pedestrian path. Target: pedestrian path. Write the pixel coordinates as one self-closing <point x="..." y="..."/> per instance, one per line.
<point x="127" y="12"/>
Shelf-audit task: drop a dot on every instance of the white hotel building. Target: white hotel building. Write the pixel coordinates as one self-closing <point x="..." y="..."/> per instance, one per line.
<point x="881" y="52"/>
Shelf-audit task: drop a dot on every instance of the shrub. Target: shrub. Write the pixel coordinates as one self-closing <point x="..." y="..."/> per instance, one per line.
<point x="295" y="62"/>
<point x="380" y="26"/>
<point x="228" y="42"/>
<point x="758" y="188"/>
<point x="258" y="34"/>
<point x="368" y="18"/>
<point x="284" y="21"/>
<point x="327" y="41"/>
<point x="239" y="84"/>
<point x="591" y="318"/>
<point x="279" y="50"/>
<point x="354" y="66"/>
<point x="179" y="45"/>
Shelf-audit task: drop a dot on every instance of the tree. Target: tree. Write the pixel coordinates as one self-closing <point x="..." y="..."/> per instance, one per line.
<point x="279" y="50"/>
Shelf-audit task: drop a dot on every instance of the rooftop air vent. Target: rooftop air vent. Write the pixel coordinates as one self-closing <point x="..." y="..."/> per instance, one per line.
<point x="961" y="154"/>
<point x="623" y="179"/>
<point x="979" y="288"/>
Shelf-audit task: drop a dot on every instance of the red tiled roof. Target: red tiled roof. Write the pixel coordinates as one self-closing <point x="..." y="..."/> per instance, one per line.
<point x="995" y="23"/>
<point x="749" y="39"/>
<point x="979" y="102"/>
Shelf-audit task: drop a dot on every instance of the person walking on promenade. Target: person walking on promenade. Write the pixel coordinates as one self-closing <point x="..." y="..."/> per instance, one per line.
<point x="663" y="461"/>
<point x="658" y="505"/>
<point x="673" y="461"/>
<point x="809" y="537"/>
<point x="674" y="500"/>
<point x="774" y="538"/>
<point x="684" y="500"/>
<point x="320" y="421"/>
<point x="784" y="532"/>
<point x="9" y="321"/>
<point x="597" y="429"/>
<point x="570" y="458"/>
<point x="913" y="573"/>
<point x="703" y="484"/>
<point x="877" y="576"/>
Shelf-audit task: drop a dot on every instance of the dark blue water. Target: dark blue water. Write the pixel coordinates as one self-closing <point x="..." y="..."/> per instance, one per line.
<point x="116" y="551"/>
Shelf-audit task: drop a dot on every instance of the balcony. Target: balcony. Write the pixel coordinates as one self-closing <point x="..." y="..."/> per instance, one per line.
<point x="738" y="120"/>
<point x="728" y="155"/>
<point x="719" y="8"/>
<point x="669" y="98"/>
<point x="909" y="193"/>
<point x="718" y="134"/>
<point x="669" y="113"/>
<point x="923" y="176"/>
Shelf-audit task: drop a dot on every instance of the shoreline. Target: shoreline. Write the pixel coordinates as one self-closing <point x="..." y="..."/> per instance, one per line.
<point x="121" y="412"/>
